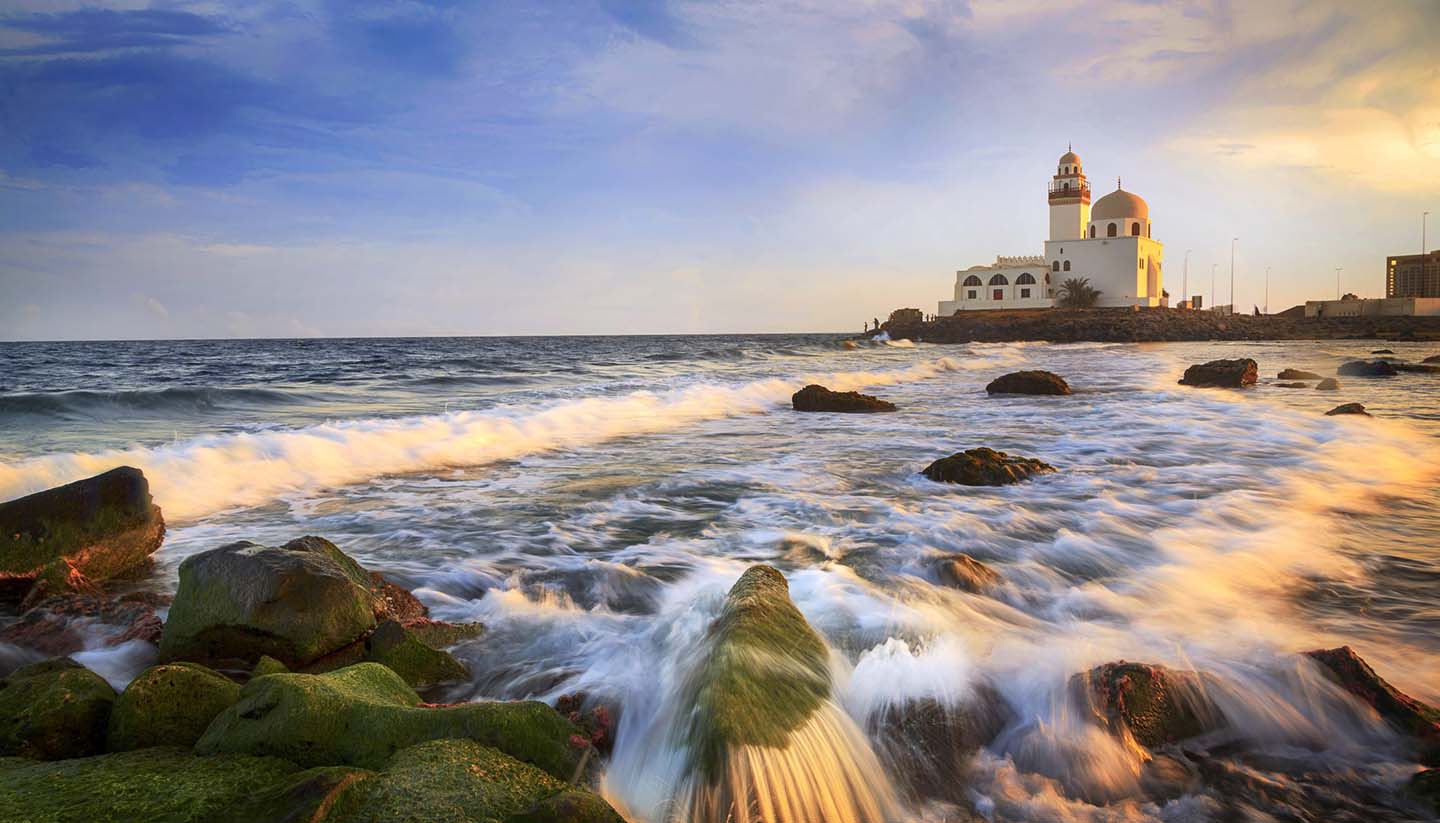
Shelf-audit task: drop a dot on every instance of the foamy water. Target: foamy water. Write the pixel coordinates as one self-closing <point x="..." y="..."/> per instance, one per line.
<point x="594" y="510"/>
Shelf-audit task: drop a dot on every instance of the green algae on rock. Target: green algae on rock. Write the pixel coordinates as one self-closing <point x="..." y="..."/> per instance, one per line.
<point x="453" y="781"/>
<point x="53" y="710"/>
<point x="295" y="603"/>
<point x="74" y="536"/>
<point x="363" y="714"/>
<point x="169" y="705"/>
<point x="303" y="797"/>
<point x="419" y="665"/>
<point x="268" y="665"/>
<point x="157" y="784"/>
<point x="1150" y="704"/>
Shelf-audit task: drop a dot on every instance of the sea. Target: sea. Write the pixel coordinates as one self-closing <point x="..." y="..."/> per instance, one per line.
<point x="592" y="499"/>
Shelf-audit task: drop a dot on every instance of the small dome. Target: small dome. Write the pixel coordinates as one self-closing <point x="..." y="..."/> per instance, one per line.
<point x="1070" y="158"/>
<point x="1120" y="203"/>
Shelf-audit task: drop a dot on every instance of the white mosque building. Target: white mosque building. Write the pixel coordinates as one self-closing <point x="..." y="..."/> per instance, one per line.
<point x="1110" y="245"/>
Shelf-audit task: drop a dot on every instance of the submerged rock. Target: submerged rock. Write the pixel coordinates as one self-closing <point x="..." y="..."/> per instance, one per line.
<point x="1328" y="384"/>
<point x="762" y="731"/>
<point x="961" y="571"/>
<point x="1029" y="382"/>
<point x="928" y="743"/>
<point x="169" y="705"/>
<point x="1149" y="704"/>
<point x="295" y="603"/>
<point x="985" y="467"/>
<point x="1348" y="408"/>
<point x="1416" y="368"/>
<point x="1366" y="368"/>
<point x="1415" y="719"/>
<point x="1382" y="351"/>
<point x="53" y="710"/>
<point x="363" y="714"/>
<point x="1424" y="787"/>
<point x="1290" y="385"/>
<point x="1231" y="374"/>
<point x="1434" y="358"/>
<point x="815" y="398"/>
<point x="70" y="622"/>
<point x="74" y="537"/>
<point x="464" y="780"/>
<point x="1297" y="374"/>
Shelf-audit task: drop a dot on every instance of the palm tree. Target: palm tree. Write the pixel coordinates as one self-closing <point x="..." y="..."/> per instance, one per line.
<point x="1076" y="293"/>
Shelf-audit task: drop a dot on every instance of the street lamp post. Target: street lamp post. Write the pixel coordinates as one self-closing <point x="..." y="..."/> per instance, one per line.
<point x="1185" y="279"/>
<point x="1337" y="281"/>
<point x="1213" y="266"/>
<point x="1233" y="241"/>
<point x="1267" y="289"/>
<point x="1423" y="216"/>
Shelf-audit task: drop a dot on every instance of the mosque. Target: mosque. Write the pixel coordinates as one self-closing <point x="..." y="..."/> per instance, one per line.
<point x="1111" y="245"/>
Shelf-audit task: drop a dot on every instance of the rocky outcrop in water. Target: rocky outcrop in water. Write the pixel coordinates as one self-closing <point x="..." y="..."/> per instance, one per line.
<point x="928" y="743"/>
<point x="985" y="467"/>
<point x="760" y="691"/>
<point x="961" y="571"/>
<point x="53" y="710"/>
<point x="169" y="705"/>
<point x="1409" y="716"/>
<point x="1297" y="374"/>
<point x="1328" y="384"/>
<point x="1434" y="358"/>
<point x="1029" y="382"/>
<point x="1228" y="374"/>
<point x="1366" y="368"/>
<point x="1151" y="704"/>
<point x="1416" y="368"/>
<point x="1348" y="408"/>
<point x="71" y="622"/>
<point x="816" y="398"/>
<point x="1285" y="385"/>
<point x="75" y="537"/>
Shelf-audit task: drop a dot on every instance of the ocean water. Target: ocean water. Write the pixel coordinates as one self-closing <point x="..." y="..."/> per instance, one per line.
<point x="592" y="499"/>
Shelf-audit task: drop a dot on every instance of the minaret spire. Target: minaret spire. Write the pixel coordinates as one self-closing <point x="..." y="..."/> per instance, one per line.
<point x="1117" y="182"/>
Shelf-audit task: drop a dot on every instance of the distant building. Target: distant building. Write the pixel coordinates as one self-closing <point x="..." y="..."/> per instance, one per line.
<point x="1413" y="275"/>
<point x="1383" y="307"/>
<point x="1110" y="246"/>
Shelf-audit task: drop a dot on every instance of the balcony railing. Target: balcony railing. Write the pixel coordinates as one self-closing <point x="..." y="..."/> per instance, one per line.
<point x="1059" y="192"/>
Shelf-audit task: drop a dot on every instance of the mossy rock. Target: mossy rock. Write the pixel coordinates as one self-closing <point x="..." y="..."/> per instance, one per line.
<point x="1152" y="704"/>
<point x="419" y="665"/>
<point x="295" y="603"/>
<point x="440" y="635"/>
<point x="303" y="797"/>
<point x="166" y="785"/>
<point x="54" y="709"/>
<point x="363" y="714"/>
<point x="456" y="781"/>
<point x="71" y="537"/>
<point x="268" y="665"/>
<point x="1424" y="787"/>
<point x="766" y="672"/>
<point x="169" y="705"/>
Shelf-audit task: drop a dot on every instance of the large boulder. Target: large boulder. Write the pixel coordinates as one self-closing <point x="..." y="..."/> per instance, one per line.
<point x="961" y="571"/>
<point x="461" y="780"/>
<point x="1411" y="717"/>
<point x="169" y="705"/>
<point x="759" y="702"/>
<point x="361" y="715"/>
<point x="162" y="784"/>
<point x="295" y="603"/>
<point x="1366" y="368"/>
<point x="1297" y="374"/>
<point x="1348" y="408"/>
<point x="985" y="467"/>
<point x="419" y="665"/>
<point x="1029" y="382"/>
<point x="1149" y="704"/>
<point x="69" y="623"/>
<point x="54" y="709"/>
<point x="1230" y="374"/>
<point x="815" y="398"/>
<point x="73" y="537"/>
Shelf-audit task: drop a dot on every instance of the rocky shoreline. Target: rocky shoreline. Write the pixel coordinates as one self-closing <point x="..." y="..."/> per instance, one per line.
<point x="1151" y="325"/>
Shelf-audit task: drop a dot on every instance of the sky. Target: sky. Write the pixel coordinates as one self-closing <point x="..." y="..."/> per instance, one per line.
<point x="349" y="168"/>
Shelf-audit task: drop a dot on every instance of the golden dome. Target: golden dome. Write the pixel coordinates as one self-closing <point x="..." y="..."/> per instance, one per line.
<point x="1118" y="204"/>
<point x="1070" y="158"/>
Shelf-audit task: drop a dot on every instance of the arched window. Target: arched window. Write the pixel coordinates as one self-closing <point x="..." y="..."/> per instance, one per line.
<point x="1134" y="229"/>
<point x="972" y="280"/>
<point x="1025" y="280"/>
<point x="1067" y="185"/>
<point x="999" y="280"/>
<point x="1055" y="266"/>
<point x="1092" y="232"/>
<point x="1110" y="232"/>
<point x="1067" y="265"/>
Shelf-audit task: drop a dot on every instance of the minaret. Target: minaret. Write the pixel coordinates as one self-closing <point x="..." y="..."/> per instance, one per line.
<point x="1069" y="197"/>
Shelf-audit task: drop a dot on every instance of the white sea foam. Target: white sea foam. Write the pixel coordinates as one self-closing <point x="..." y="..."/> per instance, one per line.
<point x="198" y="477"/>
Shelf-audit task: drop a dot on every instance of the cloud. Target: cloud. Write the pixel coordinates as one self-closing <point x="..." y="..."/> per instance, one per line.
<point x="92" y="30"/>
<point x="157" y="308"/>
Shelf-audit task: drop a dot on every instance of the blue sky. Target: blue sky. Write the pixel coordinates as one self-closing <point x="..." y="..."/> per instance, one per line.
<point x="598" y="166"/>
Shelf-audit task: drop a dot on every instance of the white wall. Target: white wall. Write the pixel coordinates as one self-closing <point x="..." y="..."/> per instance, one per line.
<point x="1068" y="221"/>
<point x="1011" y="298"/>
<point x="1128" y="271"/>
<point x="1122" y="227"/>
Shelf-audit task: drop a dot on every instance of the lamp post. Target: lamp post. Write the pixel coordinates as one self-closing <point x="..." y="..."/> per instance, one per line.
<point x="1213" y="266"/>
<point x="1337" y="281"/>
<point x="1267" y="289"/>
<point x="1233" y="241"/>
<point x="1423" y="216"/>
<point x="1185" y="279"/>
